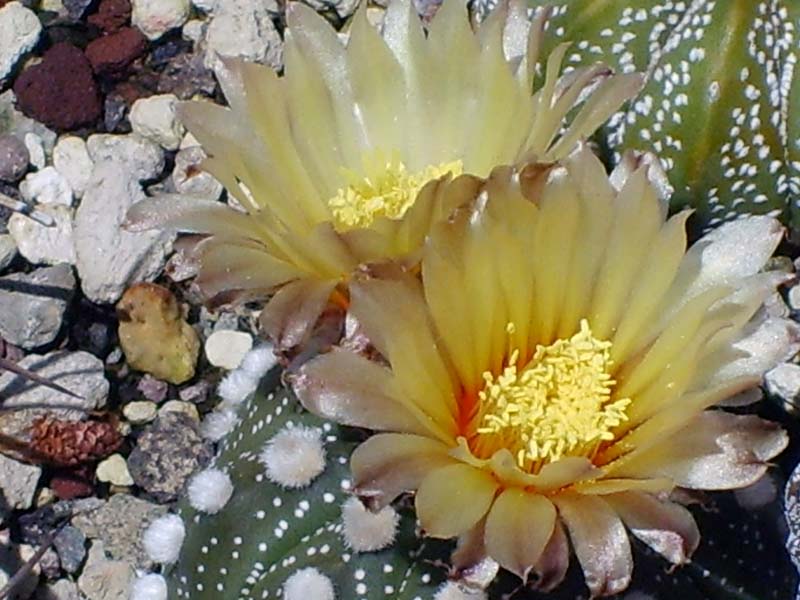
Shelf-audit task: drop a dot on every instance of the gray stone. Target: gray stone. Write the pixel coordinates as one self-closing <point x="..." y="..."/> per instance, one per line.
<point x="70" y="544"/>
<point x="8" y="250"/>
<point x="14" y="122"/>
<point x="118" y="524"/>
<point x="19" y="31"/>
<point x="12" y="557"/>
<point x="109" y="258"/>
<point x="41" y="244"/>
<point x="80" y="372"/>
<point x="243" y="29"/>
<point x="132" y="153"/>
<point x="18" y="482"/>
<point x="104" y="579"/>
<point x="32" y="305"/>
<point x="154" y="119"/>
<point x="166" y="454"/>
<point x="189" y="178"/>
<point x="784" y="382"/>
<point x="14" y="158"/>
<point x="63" y="589"/>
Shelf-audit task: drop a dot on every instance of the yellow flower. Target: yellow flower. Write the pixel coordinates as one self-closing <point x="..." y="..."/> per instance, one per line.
<point x="560" y="370"/>
<point x="330" y="162"/>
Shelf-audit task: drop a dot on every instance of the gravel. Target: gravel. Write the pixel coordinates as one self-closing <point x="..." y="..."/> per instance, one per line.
<point x="19" y="31"/>
<point x="109" y="258"/>
<point x="32" y="305"/>
<point x="166" y="454"/>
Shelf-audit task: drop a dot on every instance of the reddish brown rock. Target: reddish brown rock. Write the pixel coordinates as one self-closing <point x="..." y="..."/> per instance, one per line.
<point x="77" y="482"/>
<point x="113" y="53"/>
<point x="60" y="91"/>
<point x="111" y="15"/>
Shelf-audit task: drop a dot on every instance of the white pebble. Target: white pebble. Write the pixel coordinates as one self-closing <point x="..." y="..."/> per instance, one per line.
<point x="259" y="361"/>
<point x="227" y="348"/>
<point x="114" y="470"/>
<point x="19" y="31"/>
<point x="308" y="584"/>
<point x="35" y="145"/>
<point x="236" y="386"/>
<point x="294" y="457"/>
<point x="209" y="490"/>
<point x="47" y="186"/>
<point x="163" y="539"/>
<point x="217" y="424"/>
<point x="452" y="590"/>
<point x="156" y="17"/>
<point x="71" y="159"/>
<point x="154" y="118"/>
<point x="367" y="531"/>
<point x="151" y="586"/>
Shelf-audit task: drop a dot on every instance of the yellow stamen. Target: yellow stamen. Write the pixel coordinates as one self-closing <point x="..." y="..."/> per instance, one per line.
<point x="557" y="405"/>
<point x="387" y="190"/>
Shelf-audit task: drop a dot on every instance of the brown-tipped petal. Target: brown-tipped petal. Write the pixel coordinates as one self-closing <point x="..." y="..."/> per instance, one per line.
<point x="552" y="565"/>
<point x="666" y="527"/>
<point x="189" y="215"/>
<point x="388" y="464"/>
<point x="225" y="266"/>
<point x="355" y="391"/>
<point x="518" y="528"/>
<point x="600" y="542"/>
<point x="470" y="561"/>
<point x="716" y="451"/>
<point x="291" y="314"/>
<point x="450" y="500"/>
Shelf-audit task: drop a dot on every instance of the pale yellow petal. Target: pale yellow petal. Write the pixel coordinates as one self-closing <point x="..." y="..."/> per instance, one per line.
<point x="518" y="528"/>
<point x="450" y="500"/>
<point x="388" y="464"/>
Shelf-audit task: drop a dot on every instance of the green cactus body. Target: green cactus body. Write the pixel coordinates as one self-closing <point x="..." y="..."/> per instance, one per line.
<point x="265" y="533"/>
<point x="720" y="107"/>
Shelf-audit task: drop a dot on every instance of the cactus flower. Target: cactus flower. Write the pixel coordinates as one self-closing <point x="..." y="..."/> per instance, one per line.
<point x="329" y="165"/>
<point x="560" y="371"/>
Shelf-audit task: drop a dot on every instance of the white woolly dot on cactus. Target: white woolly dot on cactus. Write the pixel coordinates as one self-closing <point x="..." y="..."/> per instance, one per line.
<point x="151" y="586"/>
<point x="259" y="361"/>
<point x="218" y="423"/>
<point x="294" y="457"/>
<point x="209" y="490"/>
<point x="453" y="590"/>
<point x="367" y="531"/>
<point x="236" y="386"/>
<point x="306" y="584"/>
<point x="163" y="539"/>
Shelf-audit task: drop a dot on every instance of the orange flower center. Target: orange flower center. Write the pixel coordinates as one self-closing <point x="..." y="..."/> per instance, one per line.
<point x="559" y="404"/>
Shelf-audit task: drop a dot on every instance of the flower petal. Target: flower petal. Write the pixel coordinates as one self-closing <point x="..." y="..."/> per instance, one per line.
<point x="518" y="528"/>
<point x="388" y="464"/>
<point x="715" y="451"/>
<point x="665" y="526"/>
<point x="551" y="568"/>
<point x="451" y="499"/>
<point x="393" y="317"/>
<point x="600" y="542"/>
<point x="292" y="312"/>
<point x="355" y="391"/>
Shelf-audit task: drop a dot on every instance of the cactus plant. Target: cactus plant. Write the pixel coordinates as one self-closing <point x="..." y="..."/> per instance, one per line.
<point x="721" y="106"/>
<point x="266" y="532"/>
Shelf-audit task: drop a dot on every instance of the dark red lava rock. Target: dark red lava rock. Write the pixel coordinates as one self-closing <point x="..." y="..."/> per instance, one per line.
<point x="60" y="91"/>
<point x="113" y="53"/>
<point x="111" y="15"/>
<point x="73" y="483"/>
